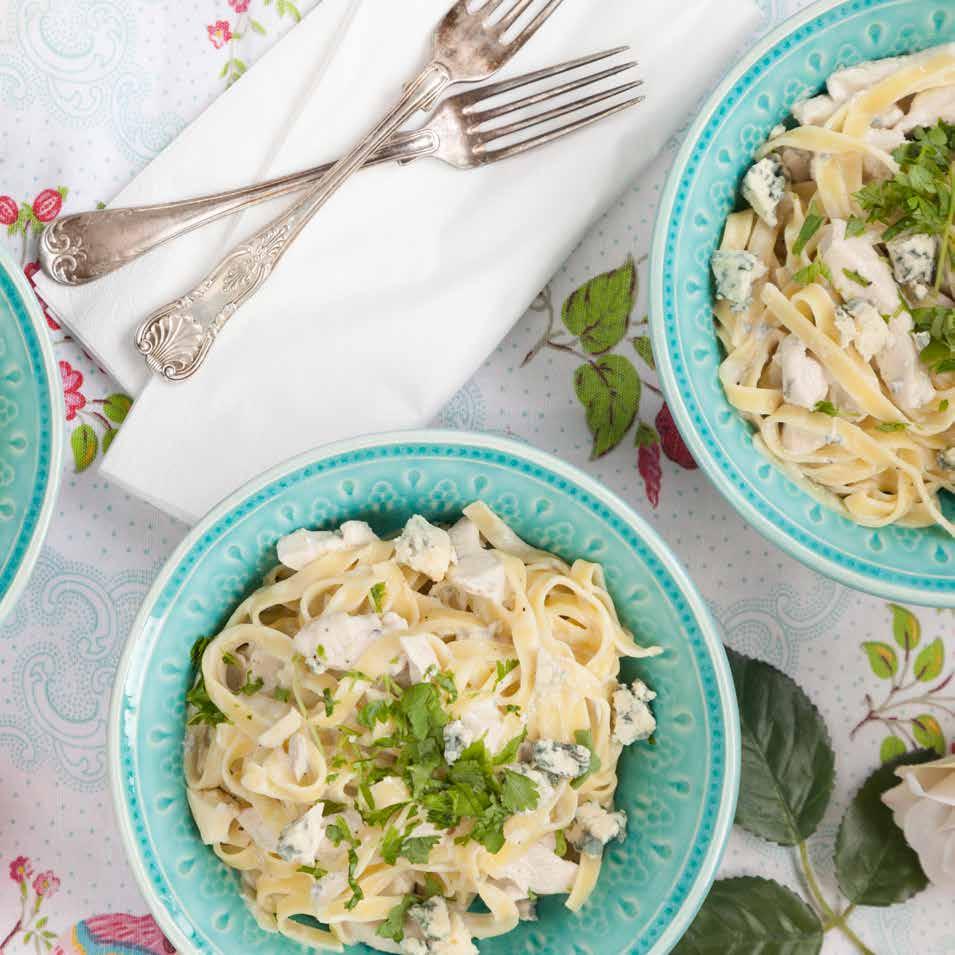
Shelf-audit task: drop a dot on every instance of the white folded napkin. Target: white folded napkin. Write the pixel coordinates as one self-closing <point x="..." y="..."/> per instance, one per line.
<point x="404" y="283"/>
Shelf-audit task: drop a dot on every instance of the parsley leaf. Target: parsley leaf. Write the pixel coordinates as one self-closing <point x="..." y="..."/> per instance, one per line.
<point x="509" y="753"/>
<point x="420" y="705"/>
<point x="854" y="227"/>
<point x="826" y="407"/>
<point x="282" y="695"/>
<point x="251" y="685"/>
<point x="377" y="595"/>
<point x="377" y="711"/>
<point x="856" y="277"/>
<point x="316" y="872"/>
<point x="518" y="792"/>
<point x="391" y="845"/>
<point x="198" y="696"/>
<point x="561" y="847"/>
<point x="812" y="272"/>
<point x="393" y="926"/>
<point x="504" y="667"/>
<point x="891" y="426"/>
<point x="329" y="700"/>
<point x="229" y="660"/>
<point x="939" y="322"/>
<point x="943" y="406"/>
<point x="584" y="738"/>
<point x="809" y="228"/>
<point x="416" y="849"/>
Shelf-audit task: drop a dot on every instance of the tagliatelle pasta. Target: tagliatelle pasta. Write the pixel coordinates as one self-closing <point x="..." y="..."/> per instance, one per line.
<point x="404" y="742"/>
<point x="836" y="292"/>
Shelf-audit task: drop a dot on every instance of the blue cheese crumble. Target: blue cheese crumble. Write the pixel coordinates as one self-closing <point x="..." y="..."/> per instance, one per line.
<point x="425" y="548"/>
<point x="913" y="262"/>
<point x="456" y="741"/>
<point x="299" y="841"/>
<point x="594" y="827"/>
<point x="764" y="186"/>
<point x="562" y="760"/>
<point x="633" y="720"/>
<point x="735" y="272"/>
<point x="946" y="459"/>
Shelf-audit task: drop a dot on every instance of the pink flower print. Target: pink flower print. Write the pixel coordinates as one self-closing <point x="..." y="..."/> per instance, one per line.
<point x="20" y="869"/>
<point x="72" y="382"/>
<point x="240" y="6"/>
<point x="30" y="270"/>
<point x="46" y="884"/>
<point x="672" y="441"/>
<point x="47" y="205"/>
<point x="220" y="33"/>
<point x="9" y="211"/>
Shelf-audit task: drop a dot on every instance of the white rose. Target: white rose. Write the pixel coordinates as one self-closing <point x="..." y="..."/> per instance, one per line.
<point x="923" y="806"/>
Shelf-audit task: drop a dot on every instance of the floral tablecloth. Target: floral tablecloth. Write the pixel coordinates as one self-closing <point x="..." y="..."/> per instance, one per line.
<point x="90" y="90"/>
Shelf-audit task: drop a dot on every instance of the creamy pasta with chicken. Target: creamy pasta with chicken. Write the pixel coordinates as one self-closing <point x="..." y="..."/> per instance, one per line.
<point x="836" y="291"/>
<point x="388" y="731"/>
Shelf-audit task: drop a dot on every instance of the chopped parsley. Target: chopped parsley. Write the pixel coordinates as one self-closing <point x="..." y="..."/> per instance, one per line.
<point x="826" y="407"/>
<point x="943" y="405"/>
<point x="338" y="832"/>
<point x="812" y="273"/>
<point x="918" y="200"/>
<point x="504" y="667"/>
<point x="377" y="595"/>
<point x="198" y="696"/>
<point x="282" y="695"/>
<point x="561" y="848"/>
<point x="856" y="277"/>
<point x="584" y="738"/>
<point x="393" y="926"/>
<point x="939" y="322"/>
<point x="329" y="700"/>
<point x="229" y="660"/>
<point x="809" y="228"/>
<point x="854" y="227"/>
<point x="316" y="872"/>
<point x="251" y="685"/>
<point x="891" y="426"/>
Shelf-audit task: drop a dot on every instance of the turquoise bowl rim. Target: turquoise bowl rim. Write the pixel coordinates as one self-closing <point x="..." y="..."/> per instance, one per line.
<point x="606" y="505"/>
<point x="668" y="346"/>
<point x="43" y="364"/>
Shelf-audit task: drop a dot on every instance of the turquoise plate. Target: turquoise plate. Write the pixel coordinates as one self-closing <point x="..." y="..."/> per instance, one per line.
<point x="31" y="434"/>
<point x="792" y="62"/>
<point x="680" y="794"/>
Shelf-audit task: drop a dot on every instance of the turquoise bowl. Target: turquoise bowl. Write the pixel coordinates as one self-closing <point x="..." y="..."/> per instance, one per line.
<point x="31" y="431"/>
<point x="679" y="795"/>
<point x="790" y="63"/>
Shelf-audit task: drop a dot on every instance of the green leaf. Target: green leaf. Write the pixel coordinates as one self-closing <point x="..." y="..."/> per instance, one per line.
<point x="257" y="27"/>
<point x="928" y="733"/>
<point x="854" y="227"/>
<point x="891" y="426"/>
<point x="585" y="738"/>
<point x="882" y="658"/>
<point x="856" y="277"/>
<point x="518" y="792"/>
<point x="905" y="627"/>
<point x="827" y="408"/>
<point x="609" y="389"/>
<point x="108" y="437"/>
<point x="116" y="407"/>
<point x="809" y="228"/>
<point x="874" y="863"/>
<point x="929" y="663"/>
<point x="377" y="594"/>
<point x="788" y="762"/>
<point x="645" y="350"/>
<point x="647" y="435"/>
<point x="599" y="311"/>
<point x="812" y="273"/>
<point x="84" y="443"/>
<point x="892" y="748"/>
<point x="393" y="926"/>
<point x="225" y="69"/>
<point x="750" y="916"/>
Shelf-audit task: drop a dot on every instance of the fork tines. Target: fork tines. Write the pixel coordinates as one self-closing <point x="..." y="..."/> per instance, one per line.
<point x="480" y="114"/>
<point x="503" y="16"/>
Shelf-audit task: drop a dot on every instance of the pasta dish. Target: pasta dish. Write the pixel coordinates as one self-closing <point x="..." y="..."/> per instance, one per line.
<point x="836" y="292"/>
<point x="405" y="742"/>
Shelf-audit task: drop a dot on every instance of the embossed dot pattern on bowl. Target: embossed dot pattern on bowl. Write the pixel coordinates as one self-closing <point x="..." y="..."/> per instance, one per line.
<point x="30" y="430"/>
<point x="679" y="794"/>
<point x="789" y="64"/>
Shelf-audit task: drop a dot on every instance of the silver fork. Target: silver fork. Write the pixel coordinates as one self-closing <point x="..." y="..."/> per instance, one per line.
<point x="78" y="248"/>
<point x="469" y="45"/>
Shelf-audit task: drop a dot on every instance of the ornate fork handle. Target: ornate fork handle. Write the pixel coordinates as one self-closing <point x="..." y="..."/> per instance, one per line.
<point x="88" y="245"/>
<point x="176" y="339"/>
